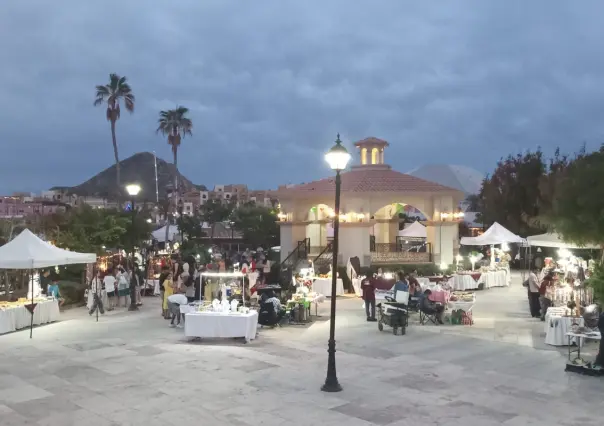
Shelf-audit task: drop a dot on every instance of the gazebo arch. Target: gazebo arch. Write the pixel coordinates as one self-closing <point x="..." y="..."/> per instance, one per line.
<point x="366" y="189"/>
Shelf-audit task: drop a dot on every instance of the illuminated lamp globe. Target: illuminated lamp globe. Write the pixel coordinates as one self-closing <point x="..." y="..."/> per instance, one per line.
<point x="133" y="189"/>
<point x="337" y="157"/>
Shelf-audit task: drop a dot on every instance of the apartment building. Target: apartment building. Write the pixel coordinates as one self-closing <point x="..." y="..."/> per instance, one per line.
<point x="238" y="194"/>
<point x="20" y="206"/>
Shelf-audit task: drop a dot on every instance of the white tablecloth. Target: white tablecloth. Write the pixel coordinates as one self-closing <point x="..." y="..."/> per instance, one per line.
<point x="464" y="306"/>
<point x="214" y="324"/>
<point x="356" y="284"/>
<point x="494" y="279"/>
<point x="463" y="282"/>
<point x="17" y="318"/>
<point x="557" y="327"/>
<point x="155" y="285"/>
<point x="323" y="286"/>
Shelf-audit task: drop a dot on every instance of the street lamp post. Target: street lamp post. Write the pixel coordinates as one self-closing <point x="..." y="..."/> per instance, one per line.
<point x="180" y="209"/>
<point x="337" y="158"/>
<point x="133" y="190"/>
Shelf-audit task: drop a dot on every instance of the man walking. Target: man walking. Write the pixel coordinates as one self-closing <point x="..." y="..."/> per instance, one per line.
<point x="533" y="293"/>
<point x="96" y="287"/>
<point x="368" y="288"/>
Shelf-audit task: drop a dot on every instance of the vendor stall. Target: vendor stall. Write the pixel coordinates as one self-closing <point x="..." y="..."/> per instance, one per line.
<point x="15" y="316"/>
<point x="27" y="251"/>
<point x="222" y="325"/>
<point x="495" y="235"/>
<point x="323" y="286"/>
<point x="558" y="323"/>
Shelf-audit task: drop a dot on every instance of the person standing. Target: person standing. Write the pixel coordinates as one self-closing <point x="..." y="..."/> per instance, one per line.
<point x="545" y="293"/>
<point x="109" y="282"/>
<point x="533" y="294"/>
<point x="162" y="278"/>
<point x="96" y="287"/>
<point x="168" y="291"/>
<point x="123" y="285"/>
<point x="368" y="289"/>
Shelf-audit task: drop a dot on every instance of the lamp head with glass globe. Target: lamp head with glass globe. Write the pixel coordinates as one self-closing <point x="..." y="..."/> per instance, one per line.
<point x="337" y="157"/>
<point x="133" y="189"/>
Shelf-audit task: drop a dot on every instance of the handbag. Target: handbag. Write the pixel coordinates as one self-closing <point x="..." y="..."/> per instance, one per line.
<point x="525" y="283"/>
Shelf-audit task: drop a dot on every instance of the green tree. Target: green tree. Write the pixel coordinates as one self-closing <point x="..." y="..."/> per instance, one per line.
<point x="578" y="206"/>
<point x="175" y="124"/>
<point x="118" y="90"/>
<point x="191" y="226"/>
<point x="511" y="195"/>
<point x="214" y="211"/>
<point x="258" y="224"/>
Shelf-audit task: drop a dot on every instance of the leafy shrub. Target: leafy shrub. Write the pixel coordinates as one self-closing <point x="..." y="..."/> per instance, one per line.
<point x="72" y="292"/>
<point x="596" y="282"/>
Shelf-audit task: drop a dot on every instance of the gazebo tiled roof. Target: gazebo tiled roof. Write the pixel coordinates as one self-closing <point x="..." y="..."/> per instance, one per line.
<point x="369" y="180"/>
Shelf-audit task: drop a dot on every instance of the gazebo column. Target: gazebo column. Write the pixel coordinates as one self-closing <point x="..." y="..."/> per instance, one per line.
<point x="442" y="237"/>
<point x="291" y="233"/>
<point x="354" y="241"/>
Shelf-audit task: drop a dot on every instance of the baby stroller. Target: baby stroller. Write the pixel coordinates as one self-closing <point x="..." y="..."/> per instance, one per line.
<point x="267" y="316"/>
<point x="394" y="313"/>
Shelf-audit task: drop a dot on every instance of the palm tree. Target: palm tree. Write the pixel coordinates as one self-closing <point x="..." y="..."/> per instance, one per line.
<point x="175" y="124"/>
<point x="118" y="90"/>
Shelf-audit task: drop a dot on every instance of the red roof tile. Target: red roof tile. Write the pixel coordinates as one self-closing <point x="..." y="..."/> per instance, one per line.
<point x="371" y="180"/>
<point x="371" y="140"/>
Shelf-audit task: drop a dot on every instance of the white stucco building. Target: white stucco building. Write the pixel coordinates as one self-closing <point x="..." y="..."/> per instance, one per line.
<point x="372" y="195"/>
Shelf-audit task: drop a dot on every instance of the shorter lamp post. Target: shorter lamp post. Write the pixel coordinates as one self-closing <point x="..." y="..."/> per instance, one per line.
<point x="337" y="158"/>
<point x="180" y="208"/>
<point x="133" y="190"/>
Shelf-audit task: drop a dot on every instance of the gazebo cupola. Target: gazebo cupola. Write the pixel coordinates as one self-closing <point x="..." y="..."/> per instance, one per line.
<point x="372" y="153"/>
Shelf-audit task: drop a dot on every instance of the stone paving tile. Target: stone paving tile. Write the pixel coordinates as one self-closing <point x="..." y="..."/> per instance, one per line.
<point x="147" y="374"/>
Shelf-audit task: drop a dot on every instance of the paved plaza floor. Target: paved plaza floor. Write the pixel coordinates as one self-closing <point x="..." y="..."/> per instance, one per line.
<point x="132" y="369"/>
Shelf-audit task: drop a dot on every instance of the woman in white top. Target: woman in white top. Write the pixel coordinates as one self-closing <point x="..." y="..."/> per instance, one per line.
<point x="109" y="282"/>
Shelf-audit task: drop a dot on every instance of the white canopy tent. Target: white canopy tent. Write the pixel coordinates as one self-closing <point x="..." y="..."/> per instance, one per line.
<point x="414" y="230"/>
<point x="160" y="234"/>
<point x="27" y="251"/>
<point x="554" y="240"/>
<point x="496" y="234"/>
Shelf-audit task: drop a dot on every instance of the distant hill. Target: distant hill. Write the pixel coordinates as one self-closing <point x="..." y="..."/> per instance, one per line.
<point x="140" y="169"/>
<point x="462" y="178"/>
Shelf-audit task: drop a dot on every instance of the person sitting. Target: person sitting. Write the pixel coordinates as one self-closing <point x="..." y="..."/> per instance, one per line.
<point x="53" y="290"/>
<point x="271" y="298"/>
<point x="431" y="308"/>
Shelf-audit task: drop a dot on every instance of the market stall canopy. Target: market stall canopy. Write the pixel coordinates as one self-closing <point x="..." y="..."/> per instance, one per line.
<point x="554" y="240"/>
<point x="414" y="230"/>
<point x="496" y="234"/>
<point x="160" y="234"/>
<point x="27" y="251"/>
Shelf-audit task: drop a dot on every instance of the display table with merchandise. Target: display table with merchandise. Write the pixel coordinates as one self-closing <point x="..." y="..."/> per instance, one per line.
<point x="323" y="286"/>
<point x="221" y="325"/>
<point x="14" y="316"/>
<point x="471" y="280"/>
<point x="460" y="306"/>
<point x="557" y="327"/>
<point x="308" y="300"/>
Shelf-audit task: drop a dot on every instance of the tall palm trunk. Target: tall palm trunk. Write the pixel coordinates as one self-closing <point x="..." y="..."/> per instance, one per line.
<point x="175" y="152"/>
<point x="117" y="163"/>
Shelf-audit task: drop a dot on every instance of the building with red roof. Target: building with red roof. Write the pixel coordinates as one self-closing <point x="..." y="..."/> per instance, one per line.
<point x="372" y="197"/>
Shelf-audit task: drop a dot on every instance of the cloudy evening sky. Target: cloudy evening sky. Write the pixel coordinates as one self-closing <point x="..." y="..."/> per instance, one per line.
<point x="270" y="82"/>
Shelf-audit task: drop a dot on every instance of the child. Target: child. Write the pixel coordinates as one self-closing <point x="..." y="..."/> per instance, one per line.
<point x="168" y="291"/>
<point x="53" y="290"/>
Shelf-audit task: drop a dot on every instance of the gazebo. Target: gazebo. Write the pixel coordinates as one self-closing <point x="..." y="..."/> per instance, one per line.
<point x="373" y="195"/>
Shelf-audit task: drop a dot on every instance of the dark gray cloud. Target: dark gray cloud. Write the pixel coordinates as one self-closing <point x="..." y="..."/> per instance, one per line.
<point x="270" y="83"/>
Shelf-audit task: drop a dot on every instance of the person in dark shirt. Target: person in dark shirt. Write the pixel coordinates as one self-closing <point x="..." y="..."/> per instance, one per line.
<point x="368" y="288"/>
<point x="432" y="308"/>
<point x="165" y="271"/>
